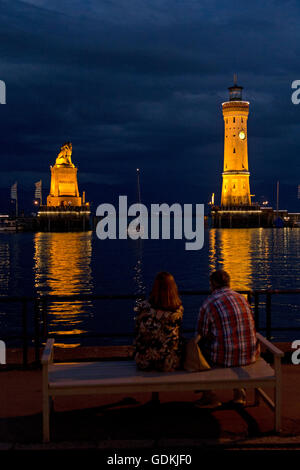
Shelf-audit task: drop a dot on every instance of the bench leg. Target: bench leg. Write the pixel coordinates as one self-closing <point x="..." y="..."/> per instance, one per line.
<point x="256" y="397"/>
<point x="51" y="405"/>
<point x="46" y="421"/>
<point x="277" y="408"/>
<point x="155" y="398"/>
<point x="277" y="361"/>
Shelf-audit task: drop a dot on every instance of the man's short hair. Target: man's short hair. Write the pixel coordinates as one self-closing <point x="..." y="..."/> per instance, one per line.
<point x="220" y="278"/>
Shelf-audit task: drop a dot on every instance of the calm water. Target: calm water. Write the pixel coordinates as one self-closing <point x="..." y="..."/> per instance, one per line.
<point x="71" y="263"/>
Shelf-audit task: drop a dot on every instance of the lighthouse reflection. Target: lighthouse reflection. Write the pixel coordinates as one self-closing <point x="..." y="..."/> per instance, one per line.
<point x="244" y="253"/>
<point x="62" y="263"/>
<point x="231" y="250"/>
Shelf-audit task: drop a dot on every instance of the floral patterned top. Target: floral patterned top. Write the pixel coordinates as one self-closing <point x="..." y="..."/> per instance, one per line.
<point x="158" y="345"/>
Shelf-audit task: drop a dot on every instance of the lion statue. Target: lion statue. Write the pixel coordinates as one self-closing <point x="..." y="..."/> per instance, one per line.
<point x="64" y="156"/>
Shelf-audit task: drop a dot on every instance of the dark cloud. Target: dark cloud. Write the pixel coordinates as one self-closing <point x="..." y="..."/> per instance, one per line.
<point x="141" y="84"/>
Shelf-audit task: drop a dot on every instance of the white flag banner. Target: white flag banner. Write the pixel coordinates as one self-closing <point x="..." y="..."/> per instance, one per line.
<point x="14" y="191"/>
<point x="38" y="190"/>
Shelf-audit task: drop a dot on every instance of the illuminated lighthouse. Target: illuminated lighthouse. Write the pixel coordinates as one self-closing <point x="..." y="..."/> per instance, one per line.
<point x="235" y="185"/>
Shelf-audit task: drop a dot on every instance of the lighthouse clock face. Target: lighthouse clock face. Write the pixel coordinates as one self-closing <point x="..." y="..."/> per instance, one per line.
<point x="242" y="135"/>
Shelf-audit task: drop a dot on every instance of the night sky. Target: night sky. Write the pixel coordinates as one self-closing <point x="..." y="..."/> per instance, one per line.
<point x="139" y="83"/>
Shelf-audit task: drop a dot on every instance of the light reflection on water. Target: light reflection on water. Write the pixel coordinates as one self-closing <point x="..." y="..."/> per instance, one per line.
<point x="231" y="251"/>
<point x="74" y="263"/>
<point x="62" y="266"/>
<point x="257" y="258"/>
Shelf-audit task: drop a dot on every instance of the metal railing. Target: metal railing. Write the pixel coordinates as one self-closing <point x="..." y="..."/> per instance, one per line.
<point x="41" y="304"/>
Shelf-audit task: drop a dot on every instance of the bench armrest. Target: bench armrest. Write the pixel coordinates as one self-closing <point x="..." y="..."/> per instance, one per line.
<point x="274" y="350"/>
<point x="47" y="356"/>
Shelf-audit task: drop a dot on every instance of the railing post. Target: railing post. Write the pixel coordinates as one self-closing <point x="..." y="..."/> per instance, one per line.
<point x="37" y="330"/>
<point x="25" y="333"/>
<point x="268" y="316"/>
<point x="256" y="310"/>
<point x="44" y="318"/>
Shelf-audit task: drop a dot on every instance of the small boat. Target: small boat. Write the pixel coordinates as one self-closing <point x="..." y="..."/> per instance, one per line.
<point x="8" y="225"/>
<point x="138" y="229"/>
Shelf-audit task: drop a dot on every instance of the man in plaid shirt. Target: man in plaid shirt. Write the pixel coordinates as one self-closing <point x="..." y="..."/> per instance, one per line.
<point x="227" y="331"/>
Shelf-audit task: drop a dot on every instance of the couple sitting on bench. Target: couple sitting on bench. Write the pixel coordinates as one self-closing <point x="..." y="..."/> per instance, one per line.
<point x="225" y="329"/>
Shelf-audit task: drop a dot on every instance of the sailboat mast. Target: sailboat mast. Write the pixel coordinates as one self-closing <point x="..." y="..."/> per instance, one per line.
<point x="138" y="185"/>
<point x="277" y="200"/>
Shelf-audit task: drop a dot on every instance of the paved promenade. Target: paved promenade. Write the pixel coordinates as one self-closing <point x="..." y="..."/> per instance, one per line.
<point x="132" y="422"/>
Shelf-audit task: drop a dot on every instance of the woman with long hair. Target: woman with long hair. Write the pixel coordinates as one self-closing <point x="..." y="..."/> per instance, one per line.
<point x="158" y="322"/>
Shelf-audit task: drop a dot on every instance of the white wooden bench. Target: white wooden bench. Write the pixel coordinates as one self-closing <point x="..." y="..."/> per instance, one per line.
<point x="108" y="377"/>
